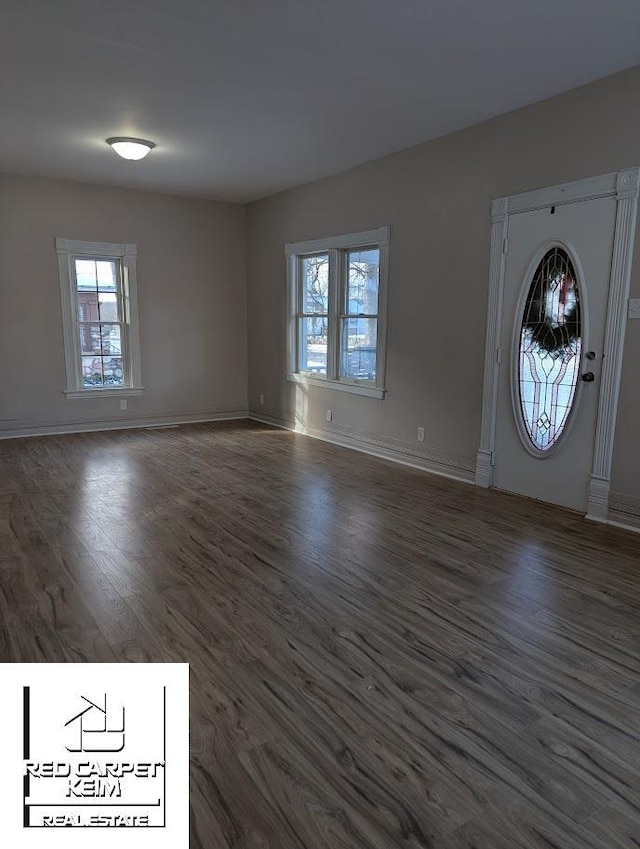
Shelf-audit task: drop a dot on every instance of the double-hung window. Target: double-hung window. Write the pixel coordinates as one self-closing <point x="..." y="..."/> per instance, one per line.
<point x="337" y="311"/>
<point x="100" y="318"/>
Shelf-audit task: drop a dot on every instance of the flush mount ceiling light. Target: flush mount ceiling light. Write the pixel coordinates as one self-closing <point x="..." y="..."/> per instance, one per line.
<point x="129" y="148"/>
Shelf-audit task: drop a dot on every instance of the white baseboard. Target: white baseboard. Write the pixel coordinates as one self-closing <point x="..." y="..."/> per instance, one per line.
<point x="598" y="499"/>
<point x="436" y="462"/>
<point x="624" y="511"/>
<point x="52" y="429"/>
<point x="483" y="468"/>
<point x="269" y="420"/>
<point x="624" y="525"/>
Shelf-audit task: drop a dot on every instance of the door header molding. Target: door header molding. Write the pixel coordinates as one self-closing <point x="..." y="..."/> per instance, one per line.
<point x="619" y="183"/>
<point x="624" y="185"/>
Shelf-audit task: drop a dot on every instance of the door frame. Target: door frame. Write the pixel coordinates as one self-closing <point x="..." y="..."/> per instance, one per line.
<point x="624" y="186"/>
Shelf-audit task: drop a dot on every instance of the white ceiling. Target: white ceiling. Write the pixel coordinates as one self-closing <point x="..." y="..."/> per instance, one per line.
<point x="247" y="97"/>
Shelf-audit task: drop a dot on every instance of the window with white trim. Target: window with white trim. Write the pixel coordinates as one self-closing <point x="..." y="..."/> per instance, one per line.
<point x="337" y="311"/>
<point x="100" y="318"/>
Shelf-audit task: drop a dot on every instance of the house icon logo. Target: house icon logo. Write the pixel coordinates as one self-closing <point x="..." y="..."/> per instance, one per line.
<point x="96" y="727"/>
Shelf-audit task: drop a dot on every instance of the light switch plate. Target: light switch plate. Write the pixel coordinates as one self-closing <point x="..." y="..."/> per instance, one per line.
<point x="634" y="307"/>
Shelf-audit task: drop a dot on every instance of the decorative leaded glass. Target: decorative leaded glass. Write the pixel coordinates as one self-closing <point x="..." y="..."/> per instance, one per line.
<point x="549" y="353"/>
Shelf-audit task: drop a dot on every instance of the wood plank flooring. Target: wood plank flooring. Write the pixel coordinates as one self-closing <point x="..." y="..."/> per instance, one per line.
<point x="379" y="658"/>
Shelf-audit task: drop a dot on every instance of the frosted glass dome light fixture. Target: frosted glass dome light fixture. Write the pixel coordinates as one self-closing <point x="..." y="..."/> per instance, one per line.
<point x="129" y="148"/>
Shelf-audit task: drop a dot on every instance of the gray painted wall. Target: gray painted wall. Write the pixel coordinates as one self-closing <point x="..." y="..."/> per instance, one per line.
<point x="436" y="198"/>
<point x="191" y="294"/>
<point x="192" y="269"/>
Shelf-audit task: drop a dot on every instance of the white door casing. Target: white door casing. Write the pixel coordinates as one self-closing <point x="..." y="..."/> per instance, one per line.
<point x="622" y="188"/>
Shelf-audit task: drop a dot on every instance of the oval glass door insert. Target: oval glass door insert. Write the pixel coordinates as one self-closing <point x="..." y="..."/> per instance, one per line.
<point x="549" y="351"/>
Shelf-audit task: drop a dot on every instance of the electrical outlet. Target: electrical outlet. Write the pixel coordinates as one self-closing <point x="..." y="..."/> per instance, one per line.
<point x="420" y="434"/>
<point x="123" y="404"/>
<point x="262" y="400"/>
<point x="634" y="307"/>
<point x="329" y="416"/>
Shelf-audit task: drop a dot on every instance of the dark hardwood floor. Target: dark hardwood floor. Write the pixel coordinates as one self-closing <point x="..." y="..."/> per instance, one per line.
<point x="379" y="658"/>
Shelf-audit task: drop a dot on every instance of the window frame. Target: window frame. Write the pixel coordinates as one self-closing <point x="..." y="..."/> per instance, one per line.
<point x="337" y="249"/>
<point x="69" y="251"/>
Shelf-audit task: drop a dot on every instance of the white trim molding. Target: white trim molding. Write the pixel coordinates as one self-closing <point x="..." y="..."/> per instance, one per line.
<point x="627" y="185"/>
<point x="624" y="511"/>
<point x="434" y="461"/>
<point x="68" y="251"/>
<point x="602" y="186"/>
<point x="340" y="385"/>
<point x="379" y="236"/>
<point x="624" y="185"/>
<point x="335" y="247"/>
<point x="455" y="469"/>
<point x="499" y="235"/>
<point x="23" y="429"/>
<point x="120" y="392"/>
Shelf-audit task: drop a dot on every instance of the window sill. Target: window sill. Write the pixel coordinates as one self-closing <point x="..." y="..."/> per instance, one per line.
<point x="340" y="385"/>
<point x="104" y="393"/>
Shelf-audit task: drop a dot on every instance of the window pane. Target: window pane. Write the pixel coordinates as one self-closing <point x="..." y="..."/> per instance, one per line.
<point x="107" y="274"/>
<point x="315" y="283"/>
<point x="112" y="370"/>
<point x="92" y="371"/>
<point x="313" y="353"/>
<point x="86" y="274"/>
<point x="108" y="304"/>
<point x="359" y="344"/>
<point x="88" y="309"/>
<point x="111" y="339"/>
<point x="90" y="339"/>
<point x="363" y="281"/>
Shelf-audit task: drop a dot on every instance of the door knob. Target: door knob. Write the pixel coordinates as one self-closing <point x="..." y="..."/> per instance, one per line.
<point x="588" y="377"/>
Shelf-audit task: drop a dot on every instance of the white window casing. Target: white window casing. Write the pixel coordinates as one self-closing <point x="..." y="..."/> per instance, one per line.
<point x="336" y="249"/>
<point x="125" y="255"/>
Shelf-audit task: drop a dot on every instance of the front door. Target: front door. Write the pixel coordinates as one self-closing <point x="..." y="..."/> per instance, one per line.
<point x="551" y="341"/>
